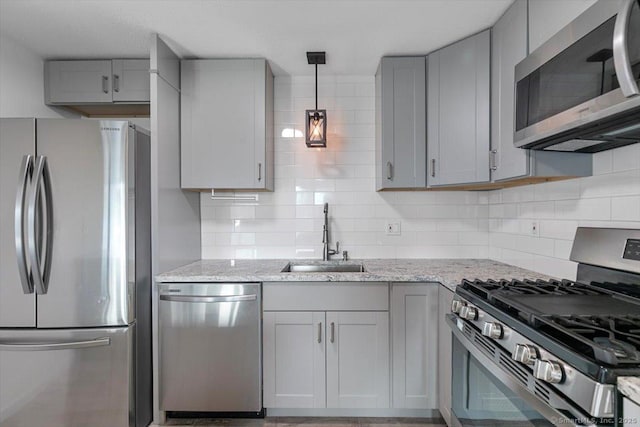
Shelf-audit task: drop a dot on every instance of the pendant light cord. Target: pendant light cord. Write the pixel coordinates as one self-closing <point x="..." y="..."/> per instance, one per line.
<point x="316" y="87"/>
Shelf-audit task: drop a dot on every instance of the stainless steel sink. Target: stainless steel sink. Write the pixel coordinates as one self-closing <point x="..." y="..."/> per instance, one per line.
<point x="323" y="267"/>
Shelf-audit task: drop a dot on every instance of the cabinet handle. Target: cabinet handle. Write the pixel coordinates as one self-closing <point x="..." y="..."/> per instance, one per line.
<point x="492" y="160"/>
<point x="389" y="170"/>
<point x="105" y="84"/>
<point x="333" y="332"/>
<point x="433" y="168"/>
<point x="259" y="172"/>
<point x="319" y="332"/>
<point x="116" y="83"/>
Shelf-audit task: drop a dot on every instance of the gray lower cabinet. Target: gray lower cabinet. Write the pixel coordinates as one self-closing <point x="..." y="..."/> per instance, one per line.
<point x="445" y="298"/>
<point x="333" y="359"/>
<point x="326" y="345"/>
<point x="71" y="82"/>
<point x="414" y="336"/>
<point x="509" y="46"/>
<point x="226" y="124"/>
<point x="400" y="123"/>
<point x="458" y="112"/>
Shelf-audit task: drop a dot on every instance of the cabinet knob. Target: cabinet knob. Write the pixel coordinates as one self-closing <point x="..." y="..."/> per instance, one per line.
<point x="433" y="168"/>
<point x="105" y="84"/>
<point x="116" y="83"/>
<point x="389" y="170"/>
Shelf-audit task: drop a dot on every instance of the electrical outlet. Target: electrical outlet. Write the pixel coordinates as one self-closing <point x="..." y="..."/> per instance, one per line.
<point x="393" y="229"/>
<point x="535" y="228"/>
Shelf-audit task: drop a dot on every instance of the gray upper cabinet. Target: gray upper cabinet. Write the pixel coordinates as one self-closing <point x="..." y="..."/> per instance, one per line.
<point x="226" y="124"/>
<point x="97" y="81"/>
<point x="401" y="123"/>
<point x="509" y="46"/>
<point x="77" y="82"/>
<point x="130" y="80"/>
<point x="458" y="112"/>
<point x="508" y="163"/>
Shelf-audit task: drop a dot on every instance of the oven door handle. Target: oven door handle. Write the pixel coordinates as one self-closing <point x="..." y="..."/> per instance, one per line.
<point x="549" y="412"/>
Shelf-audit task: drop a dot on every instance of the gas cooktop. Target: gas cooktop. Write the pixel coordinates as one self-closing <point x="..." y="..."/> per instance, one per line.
<point x="590" y="319"/>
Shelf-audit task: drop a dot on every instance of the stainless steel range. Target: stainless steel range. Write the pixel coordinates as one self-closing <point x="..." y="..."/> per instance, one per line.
<point x="538" y="353"/>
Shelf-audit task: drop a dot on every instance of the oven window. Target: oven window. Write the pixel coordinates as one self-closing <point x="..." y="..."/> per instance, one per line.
<point x="480" y="399"/>
<point x="578" y="74"/>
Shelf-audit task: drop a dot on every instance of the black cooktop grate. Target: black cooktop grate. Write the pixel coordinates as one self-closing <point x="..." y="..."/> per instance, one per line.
<point x="594" y="321"/>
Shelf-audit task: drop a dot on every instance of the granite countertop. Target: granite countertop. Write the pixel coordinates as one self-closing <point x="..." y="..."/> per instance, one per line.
<point x="630" y="387"/>
<point x="448" y="272"/>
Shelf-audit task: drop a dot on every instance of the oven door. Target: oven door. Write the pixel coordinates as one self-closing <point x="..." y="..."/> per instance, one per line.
<point x="488" y="390"/>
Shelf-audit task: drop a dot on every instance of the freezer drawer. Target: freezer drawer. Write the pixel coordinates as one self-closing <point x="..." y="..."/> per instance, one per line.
<point x="210" y="338"/>
<point x="66" y="378"/>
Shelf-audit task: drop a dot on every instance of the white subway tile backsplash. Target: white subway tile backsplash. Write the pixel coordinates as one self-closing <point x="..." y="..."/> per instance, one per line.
<point x="497" y="224"/>
<point x="609" y="198"/>
<point x="625" y="208"/>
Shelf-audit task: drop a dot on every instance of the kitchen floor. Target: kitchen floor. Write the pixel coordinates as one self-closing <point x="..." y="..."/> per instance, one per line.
<point x="308" y="422"/>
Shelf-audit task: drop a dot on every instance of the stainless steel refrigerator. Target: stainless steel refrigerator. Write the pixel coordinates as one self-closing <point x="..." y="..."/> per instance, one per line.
<point x="75" y="277"/>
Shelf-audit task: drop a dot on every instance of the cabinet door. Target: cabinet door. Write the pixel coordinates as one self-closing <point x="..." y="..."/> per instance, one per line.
<point x="458" y="112"/>
<point x="130" y="80"/>
<point x="547" y="17"/>
<point x="401" y="117"/>
<point x="444" y="354"/>
<point x="508" y="47"/>
<point x="358" y="359"/>
<point x="294" y="359"/>
<point x="69" y="82"/>
<point x="414" y="331"/>
<point x="223" y="123"/>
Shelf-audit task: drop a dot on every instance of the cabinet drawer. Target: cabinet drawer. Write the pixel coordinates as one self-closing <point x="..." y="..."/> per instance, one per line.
<point x="326" y="296"/>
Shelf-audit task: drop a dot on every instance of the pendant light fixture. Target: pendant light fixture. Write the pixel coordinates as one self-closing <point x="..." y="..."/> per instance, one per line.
<point x="316" y="120"/>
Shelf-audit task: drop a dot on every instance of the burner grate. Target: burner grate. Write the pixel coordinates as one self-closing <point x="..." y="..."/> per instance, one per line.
<point x="614" y="340"/>
<point x="602" y="324"/>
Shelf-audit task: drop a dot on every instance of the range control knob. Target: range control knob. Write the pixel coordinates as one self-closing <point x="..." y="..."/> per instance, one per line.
<point x="525" y="353"/>
<point x="456" y="305"/>
<point x="469" y="313"/>
<point x="548" y="371"/>
<point x="492" y="330"/>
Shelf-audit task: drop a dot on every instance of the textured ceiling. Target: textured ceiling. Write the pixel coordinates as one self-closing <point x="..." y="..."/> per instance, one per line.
<point x="354" y="33"/>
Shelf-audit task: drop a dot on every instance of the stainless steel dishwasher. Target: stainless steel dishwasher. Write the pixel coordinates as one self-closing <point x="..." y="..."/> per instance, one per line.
<point x="210" y="347"/>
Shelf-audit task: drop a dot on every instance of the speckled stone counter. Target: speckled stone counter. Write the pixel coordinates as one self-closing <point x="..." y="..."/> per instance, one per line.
<point x="448" y="272"/>
<point x="630" y="387"/>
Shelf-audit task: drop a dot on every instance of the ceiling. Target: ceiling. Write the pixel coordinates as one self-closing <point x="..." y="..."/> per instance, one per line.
<point x="354" y="33"/>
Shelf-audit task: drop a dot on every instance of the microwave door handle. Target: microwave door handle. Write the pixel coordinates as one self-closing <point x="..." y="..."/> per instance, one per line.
<point x="26" y="170"/>
<point x="621" y="59"/>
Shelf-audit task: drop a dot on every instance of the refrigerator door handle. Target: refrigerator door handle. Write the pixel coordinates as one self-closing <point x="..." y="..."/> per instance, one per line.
<point x="40" y="271"/>
<point x="71" y="345"/>
<point x="26" y="171"/>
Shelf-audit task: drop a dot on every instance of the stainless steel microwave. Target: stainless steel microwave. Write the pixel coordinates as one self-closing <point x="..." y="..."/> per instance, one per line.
<point x="579" y="91"/>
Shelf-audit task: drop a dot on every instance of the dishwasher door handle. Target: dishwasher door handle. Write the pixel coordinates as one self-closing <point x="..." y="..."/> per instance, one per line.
<point x="204" y="298"/>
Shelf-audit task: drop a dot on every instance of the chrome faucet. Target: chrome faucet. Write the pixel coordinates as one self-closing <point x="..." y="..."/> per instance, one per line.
<point x="326" y="252"/>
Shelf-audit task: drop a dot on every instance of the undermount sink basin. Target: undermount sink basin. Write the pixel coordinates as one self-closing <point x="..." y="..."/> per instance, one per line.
<point x="323" y="267"/>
